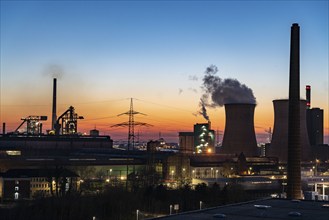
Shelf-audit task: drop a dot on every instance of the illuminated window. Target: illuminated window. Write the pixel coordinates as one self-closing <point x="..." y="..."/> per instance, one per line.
<point x="13" y="153"/>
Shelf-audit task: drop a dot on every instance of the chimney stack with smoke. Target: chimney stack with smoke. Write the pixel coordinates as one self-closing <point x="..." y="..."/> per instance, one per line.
<point x="203" y="110"/>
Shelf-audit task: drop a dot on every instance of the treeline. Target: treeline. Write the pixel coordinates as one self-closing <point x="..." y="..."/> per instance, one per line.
<point x="117" y="203"/>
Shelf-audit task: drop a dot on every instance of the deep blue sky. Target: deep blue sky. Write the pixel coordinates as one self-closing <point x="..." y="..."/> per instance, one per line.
<point x="150" y="50"/>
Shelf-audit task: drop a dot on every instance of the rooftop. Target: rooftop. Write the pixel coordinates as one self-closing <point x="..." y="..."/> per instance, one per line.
<point x="261" y="209"/>
<point x="29" y="173"/>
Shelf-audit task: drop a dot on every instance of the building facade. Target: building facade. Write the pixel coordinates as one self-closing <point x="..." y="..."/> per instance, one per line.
<point x="314" y="119"/>
<point x="18" y="184"/>
<point x="186" y="142"/>
<point x="204" y="138"/>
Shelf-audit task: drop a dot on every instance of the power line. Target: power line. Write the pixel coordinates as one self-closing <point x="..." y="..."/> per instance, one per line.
<point x="131" y="124"/>
<point x="167" y="106"/>
<point x="93" y="119"/>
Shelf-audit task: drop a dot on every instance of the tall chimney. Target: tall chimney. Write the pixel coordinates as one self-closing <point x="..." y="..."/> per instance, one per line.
<point x="294" y="148"/>
<point x="54" y="116"/>
<point x="308" y="96"/>
<point x="3" y="128"/>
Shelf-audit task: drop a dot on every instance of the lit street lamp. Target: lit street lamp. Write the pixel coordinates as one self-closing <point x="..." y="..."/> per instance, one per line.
<point x="283" y="183"/>
<point x="250" y="170"/>
<point x="108" y="176"/>
<point x="317" y="161"/>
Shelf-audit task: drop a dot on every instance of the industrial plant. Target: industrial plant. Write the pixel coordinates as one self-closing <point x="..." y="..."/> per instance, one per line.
<point x="36" y="161"/>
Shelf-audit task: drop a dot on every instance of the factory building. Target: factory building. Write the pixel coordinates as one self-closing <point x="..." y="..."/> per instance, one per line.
<point x="186" y="142"/>
<point x="200" y="141"/>
<point x="30" y="145"/>
<point x="94" y="133"/>
<point x="18" y="184"/>
<point x="29" y="140"/>
<point x="314" y="119"/>
<point x="204" y="138"/>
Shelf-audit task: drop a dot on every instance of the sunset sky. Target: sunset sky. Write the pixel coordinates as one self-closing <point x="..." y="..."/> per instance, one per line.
<point x="106" y="52"/>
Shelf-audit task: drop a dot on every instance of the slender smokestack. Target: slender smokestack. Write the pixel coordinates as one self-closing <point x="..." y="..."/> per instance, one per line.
<point x="294" y="148"/>
<point x="308" y="96"/>
<point x="54" y="116"/>
<point x="4" y="128"/>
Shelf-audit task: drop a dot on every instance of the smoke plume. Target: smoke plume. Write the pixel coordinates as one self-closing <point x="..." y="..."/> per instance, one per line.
<point x="224" y="91"/>
<point x="203" y="110"/>
<point x="54" y="70"/>
<point x="193" y="90"/>
<point x="193" y="78"/>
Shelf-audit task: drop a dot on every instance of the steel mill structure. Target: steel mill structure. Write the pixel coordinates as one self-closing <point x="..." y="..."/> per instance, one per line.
<point x="33" y="125"/>
<point x="279" y="144"/>
<point x="239" y="134"/>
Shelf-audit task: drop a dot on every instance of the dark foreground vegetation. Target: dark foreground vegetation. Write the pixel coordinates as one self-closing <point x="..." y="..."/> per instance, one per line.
<point x="117" y="203"/>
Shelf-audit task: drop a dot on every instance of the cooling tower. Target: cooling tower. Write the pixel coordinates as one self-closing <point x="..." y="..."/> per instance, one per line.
<point x="239" y="134"/>
<point x="279" y="144"/>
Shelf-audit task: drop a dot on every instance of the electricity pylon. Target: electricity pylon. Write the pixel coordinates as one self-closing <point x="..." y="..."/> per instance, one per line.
<point x="131" y="124"/>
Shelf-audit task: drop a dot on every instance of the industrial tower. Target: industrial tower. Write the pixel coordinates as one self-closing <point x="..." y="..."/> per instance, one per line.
<point x="131" y="124"/>
<point x="294" y="143"/>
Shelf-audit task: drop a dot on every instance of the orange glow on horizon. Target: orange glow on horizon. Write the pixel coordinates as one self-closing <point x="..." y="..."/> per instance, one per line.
<point x="169" y="119"/>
